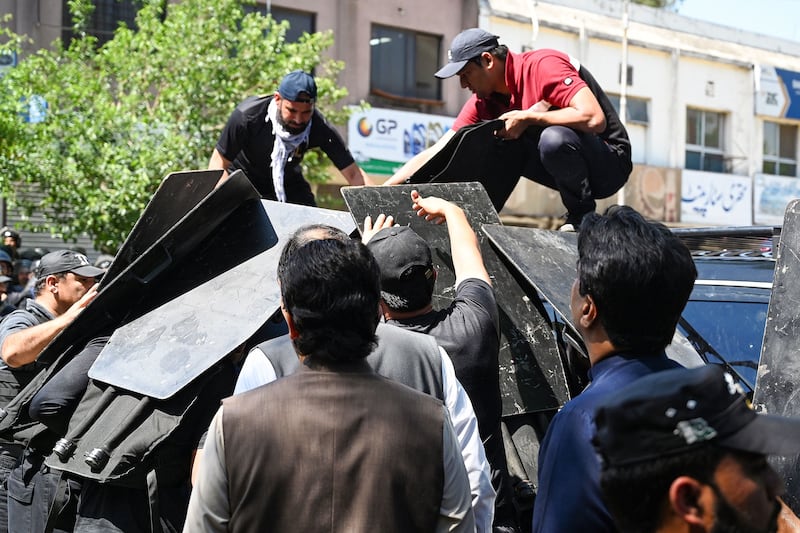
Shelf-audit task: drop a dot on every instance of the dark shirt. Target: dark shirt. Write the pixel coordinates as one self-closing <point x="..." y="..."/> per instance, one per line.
<point x="13" y="380"/>
<point x="469" y="332"/>
<point x="569" y="497"/>
<point x="247" y="142"/>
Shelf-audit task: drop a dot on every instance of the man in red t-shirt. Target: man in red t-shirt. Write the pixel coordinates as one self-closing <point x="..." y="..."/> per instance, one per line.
<point x="572" y="138"/>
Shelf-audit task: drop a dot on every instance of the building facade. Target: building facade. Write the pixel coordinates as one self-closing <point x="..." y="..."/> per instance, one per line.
<point x="713" y="112"/>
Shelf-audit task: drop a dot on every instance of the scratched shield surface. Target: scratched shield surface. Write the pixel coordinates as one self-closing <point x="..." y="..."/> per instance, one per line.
<point x="777" y="390"/>
<point x="546" y="262"/>
<point x="161" y="352"/>
<point x="531" y="373"/>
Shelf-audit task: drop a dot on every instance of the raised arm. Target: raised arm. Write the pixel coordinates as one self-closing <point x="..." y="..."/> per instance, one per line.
<point x="464" y="247"/>
<point x="24" y="346"/>
<point x="416" y="162"/>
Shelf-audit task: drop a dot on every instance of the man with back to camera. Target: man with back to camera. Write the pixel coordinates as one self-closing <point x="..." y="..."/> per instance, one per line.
<point x="413" y="359"/>
<point x="267" y="136"/>
<point x="572" y="138"/>
<point x="634" y="278"/>
<point x="468" y="329"/>
<point x="682" y="451"/>
<point x="355" y="451"/>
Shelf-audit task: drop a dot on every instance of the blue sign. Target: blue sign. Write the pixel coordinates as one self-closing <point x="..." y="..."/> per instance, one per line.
<point x="791" y="84"/>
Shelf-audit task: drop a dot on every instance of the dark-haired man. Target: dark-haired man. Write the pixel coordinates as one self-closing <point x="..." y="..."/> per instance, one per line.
<point x="334" y="446"/>
<point x="468" y="329"/>
<point x="267" y="136"/>
<point x="572" y="139"/>
<point x="633" y="280"/>
<point x="682" y="452"/>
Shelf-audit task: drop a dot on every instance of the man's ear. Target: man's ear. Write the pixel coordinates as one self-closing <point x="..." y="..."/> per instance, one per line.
<point x="51" y="283"/>
<point x="293" y="333"/>
<point x="685" y="499"/>
<point x="588" y="312"/>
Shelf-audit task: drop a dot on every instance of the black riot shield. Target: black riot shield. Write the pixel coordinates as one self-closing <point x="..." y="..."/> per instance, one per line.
<point x="531" y="374"/>
<point x="148" y="373"/>
<point x="214" y="229"/>
<point x="544" y="261"/>
<point x="185" y="336"/>
<point x="778" y="379"/>
<point x="476" y="154"/>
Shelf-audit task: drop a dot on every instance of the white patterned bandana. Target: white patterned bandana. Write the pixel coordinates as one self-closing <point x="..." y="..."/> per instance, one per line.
<point x="285" y="145"/>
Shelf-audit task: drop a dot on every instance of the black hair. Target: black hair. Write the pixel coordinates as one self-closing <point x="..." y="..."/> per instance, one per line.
<point x="500" y="52"/>
<point x="636" y="494"/>
<point x="638" y="273"/>
<point x="331" y="289"/>
<point x="413" y="291"/>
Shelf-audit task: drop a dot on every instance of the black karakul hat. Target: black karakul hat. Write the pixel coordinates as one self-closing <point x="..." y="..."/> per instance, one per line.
<point x="674" y="411"/>
<point x="465" y="46"/>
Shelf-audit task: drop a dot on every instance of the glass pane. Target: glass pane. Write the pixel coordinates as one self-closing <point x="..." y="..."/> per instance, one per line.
<point x="637" y="110"/>
<point x="770" y="138"/>
<point x="713" y="163"/>
<point x="713" y="131"/>
<point x="787" y="169"/>
<point x="788" y="138"/>
<point x="299" y="22"/>
<point x="614" y="99"/>
<point x="692" y="126"/>
<point x="734" y="329"/>
<point x="693" y="160"/>
<point x="427" y="62"/>
<point x="769" y="167"/>
<point x="387" y="51"/>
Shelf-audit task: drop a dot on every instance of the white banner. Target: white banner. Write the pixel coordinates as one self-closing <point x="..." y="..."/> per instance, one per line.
<point x="716" y="199"/>
<point x="771" y="195"/>
<point x="382" y="140"/>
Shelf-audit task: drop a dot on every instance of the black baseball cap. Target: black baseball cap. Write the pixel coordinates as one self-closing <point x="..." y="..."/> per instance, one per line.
<point x="400" y="252"/>
<point x="465" y="46"/>
<point x="675" y="411"/>
<point x="66" y="261"/>
<point x="297" y="82"/>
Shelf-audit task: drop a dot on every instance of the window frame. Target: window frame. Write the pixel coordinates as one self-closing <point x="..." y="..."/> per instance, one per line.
<point x="777" y="159"/>
<point x="703" y="149"/>
<point x="411" y="65"/>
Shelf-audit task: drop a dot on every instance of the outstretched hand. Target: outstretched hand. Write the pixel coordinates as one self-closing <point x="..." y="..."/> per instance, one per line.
<point x="371" y="229"/>
<point x="432" y="208"/>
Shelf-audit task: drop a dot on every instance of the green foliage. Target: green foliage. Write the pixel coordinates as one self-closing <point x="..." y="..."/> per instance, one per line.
<point x="671" y="5"/>
<point x="149" y="102"/>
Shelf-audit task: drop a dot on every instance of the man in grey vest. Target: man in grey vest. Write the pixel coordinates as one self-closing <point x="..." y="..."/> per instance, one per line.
<point x="334" y="446"/>
<point x="413" y="359"/>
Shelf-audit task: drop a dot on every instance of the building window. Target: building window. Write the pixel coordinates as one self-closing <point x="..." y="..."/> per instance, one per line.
<point x="106" y="18"/>
<point x="704" y="140"/>
<point x="780" y="149"/>
<point x="635" y="108"/>
<point x="402" y="63"/>
<point x="300" y="22"/>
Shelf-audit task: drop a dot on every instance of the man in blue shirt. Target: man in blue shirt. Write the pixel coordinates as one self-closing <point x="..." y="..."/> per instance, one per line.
<point x="634" y="278"/>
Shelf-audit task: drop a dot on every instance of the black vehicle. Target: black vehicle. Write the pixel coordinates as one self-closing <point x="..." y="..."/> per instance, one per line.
<point x="726" y="315"/>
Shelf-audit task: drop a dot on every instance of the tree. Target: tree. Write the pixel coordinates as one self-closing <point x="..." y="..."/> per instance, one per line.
<point x="149" y="102"/>
<point x="665" y="4"/>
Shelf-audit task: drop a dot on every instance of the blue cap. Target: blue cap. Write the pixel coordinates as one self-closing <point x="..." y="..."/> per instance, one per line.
<point x="4" y="257"/>
<point x="467" y="45"/>
<point x="295" y="84"/>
